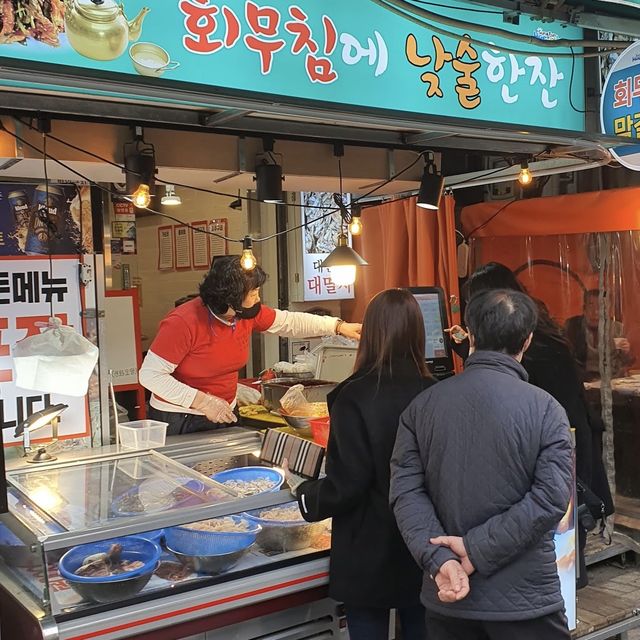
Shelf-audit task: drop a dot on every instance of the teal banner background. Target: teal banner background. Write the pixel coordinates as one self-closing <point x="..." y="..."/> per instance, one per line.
<point x="361" y="55"/>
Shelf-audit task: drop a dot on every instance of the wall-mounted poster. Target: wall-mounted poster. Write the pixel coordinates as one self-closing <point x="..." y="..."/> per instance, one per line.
<point x="182" y="243"/>
<point x="29" y="288"/>
<point x="41" y="219"/>
<point x="319" y="239"/>
<point x="165" y="248"/>
<point x="200" y="245"/>
<point x="217" y="244"/>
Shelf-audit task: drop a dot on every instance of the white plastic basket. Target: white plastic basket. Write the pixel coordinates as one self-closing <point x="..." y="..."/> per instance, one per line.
<point x="142" y="434"/>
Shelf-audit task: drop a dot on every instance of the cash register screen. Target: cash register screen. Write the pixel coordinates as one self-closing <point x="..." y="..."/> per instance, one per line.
<point x="437" y="352"/>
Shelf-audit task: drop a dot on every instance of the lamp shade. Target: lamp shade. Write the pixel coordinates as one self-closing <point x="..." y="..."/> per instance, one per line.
<point x="170" y="198"/>
<point x="342" y="262"/>
<point x="269" y="183"/>
<point x="40" y="418"/>
<point x="431" y="188"/>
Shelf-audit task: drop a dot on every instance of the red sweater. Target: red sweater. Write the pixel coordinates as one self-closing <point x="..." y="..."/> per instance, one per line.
<point x="208" y="353"/>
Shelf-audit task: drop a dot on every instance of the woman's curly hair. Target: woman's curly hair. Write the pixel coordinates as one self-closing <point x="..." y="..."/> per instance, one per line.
<point x="227" y="283"/>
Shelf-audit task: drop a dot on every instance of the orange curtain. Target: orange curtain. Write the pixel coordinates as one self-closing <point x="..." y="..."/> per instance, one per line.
<point x="406" y="246"/>
<point x="593" y="212"/>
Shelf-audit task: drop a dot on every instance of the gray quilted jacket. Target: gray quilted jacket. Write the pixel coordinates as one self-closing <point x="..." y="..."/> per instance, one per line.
<point x="488" y="457"/>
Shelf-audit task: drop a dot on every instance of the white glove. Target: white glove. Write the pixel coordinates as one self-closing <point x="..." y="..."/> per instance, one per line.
<point x="293" y="480"/>
<point x="214" y="408"/>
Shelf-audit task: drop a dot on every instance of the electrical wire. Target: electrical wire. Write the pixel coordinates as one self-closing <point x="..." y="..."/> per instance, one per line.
<point x="106" y="190"/>
<point x="385" y="4"/>
<point x="137" y="173"/>
<point x="493" y="217"/>
<point x="495" y="31"/>
<point x="466" y="10"/>
<point x="573" y="70"/>
<point x="330" y="212"/>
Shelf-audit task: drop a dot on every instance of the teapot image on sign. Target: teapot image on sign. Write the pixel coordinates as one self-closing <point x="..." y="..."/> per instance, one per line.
<point x="99" y="29"/>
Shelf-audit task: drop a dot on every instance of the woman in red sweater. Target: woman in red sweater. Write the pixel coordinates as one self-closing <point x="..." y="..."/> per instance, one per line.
<point x="192" y="365"/>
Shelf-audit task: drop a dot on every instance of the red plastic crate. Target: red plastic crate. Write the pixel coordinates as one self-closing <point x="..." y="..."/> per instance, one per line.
<point x="320" y="430"/>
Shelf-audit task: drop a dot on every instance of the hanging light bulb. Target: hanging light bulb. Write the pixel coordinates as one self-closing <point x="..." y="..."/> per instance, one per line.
<point x="431" y="187"/>
<point x="355" y="226"/>
<point x="342" y="262"/>
<point x="170" y="199"/>
<point x="248" y="261"/>
<point x="525" y="178"/>
<point x="141" y="197"/>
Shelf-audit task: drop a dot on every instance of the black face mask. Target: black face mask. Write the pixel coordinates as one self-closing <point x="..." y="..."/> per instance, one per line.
<point x="248" y="313"/>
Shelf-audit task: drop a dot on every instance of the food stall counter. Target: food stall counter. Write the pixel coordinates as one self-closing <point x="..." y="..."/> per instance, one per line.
<point x="157" y="540"/>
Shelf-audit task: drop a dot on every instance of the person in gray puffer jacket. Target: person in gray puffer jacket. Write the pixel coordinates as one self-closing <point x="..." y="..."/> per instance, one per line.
<point x="481" y="475"/>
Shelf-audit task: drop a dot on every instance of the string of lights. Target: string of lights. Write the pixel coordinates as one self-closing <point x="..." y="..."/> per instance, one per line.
<point x="432" y="186"/>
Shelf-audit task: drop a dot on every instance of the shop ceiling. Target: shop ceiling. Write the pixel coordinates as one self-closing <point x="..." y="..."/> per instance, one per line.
<point x="257" y="118"/>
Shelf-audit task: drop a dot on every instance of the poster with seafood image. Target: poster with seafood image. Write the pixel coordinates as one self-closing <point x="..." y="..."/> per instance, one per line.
<point x="323" y="224"/>
<point x="36" y="219"/>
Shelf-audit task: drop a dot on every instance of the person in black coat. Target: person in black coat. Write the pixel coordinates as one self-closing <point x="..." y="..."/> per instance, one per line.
<point x="371" y="568"/>
<point x="551" y="366"/>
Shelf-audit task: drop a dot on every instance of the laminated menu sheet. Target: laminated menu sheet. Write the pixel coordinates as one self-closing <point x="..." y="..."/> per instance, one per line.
<point x="304" y="457"/>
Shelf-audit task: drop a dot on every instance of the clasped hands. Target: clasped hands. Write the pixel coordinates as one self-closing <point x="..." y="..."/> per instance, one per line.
<point x="453" y="578"/>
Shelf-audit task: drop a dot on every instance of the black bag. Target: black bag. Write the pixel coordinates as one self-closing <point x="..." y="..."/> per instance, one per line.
<point x="591" y="508"/>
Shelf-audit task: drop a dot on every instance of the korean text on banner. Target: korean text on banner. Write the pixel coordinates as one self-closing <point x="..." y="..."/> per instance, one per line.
<point x="27" y="290"/>
<point x="335" y="52"/>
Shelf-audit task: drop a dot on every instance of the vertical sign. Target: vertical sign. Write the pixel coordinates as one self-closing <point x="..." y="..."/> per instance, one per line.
<point x="27" y="290"/>
<point x="319" y="239"/>
<point x="165" y="248"/>
<point x="217" y="245"/>
<point x="199" y="245"/>
<point x="182" y="243"/>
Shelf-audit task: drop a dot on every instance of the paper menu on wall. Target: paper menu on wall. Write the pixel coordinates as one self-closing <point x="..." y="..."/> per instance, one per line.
<point x="199" y="245"/>
<point x="217" y="245"/>
<point x="182" y="246"/>
<point x="165" y="248"/>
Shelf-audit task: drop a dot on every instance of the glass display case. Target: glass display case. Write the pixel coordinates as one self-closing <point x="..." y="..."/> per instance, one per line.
<point x="124" y="528"/>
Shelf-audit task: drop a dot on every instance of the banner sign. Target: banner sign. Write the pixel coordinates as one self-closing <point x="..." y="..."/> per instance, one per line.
<point x="354" y="53"/>
<point x="620" y="105"/>
<point x="319" y="239"/>
<point x="28" y="287"/>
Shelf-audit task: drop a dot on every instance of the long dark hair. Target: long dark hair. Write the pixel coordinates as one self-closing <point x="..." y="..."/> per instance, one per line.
<point x="494" y="275"/>
<point x="227" y="283"/>
<point x="392" y="329"/>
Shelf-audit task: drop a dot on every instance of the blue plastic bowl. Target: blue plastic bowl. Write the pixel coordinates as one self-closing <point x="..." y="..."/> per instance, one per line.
<point x="111" y="588"/>
<point x="249" y="474"/>
<point x="155" y="536"/>
<point x="192" y="542"/>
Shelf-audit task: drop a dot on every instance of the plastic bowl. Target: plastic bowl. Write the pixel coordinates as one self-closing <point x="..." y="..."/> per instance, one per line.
<point x="279" y="536"/>
<point x="192" y="542"/>
<point x="108" y="589"/>
<point x="250" y="474"/>
<point x="155" y="536"/>
<point x="212" y="564"/>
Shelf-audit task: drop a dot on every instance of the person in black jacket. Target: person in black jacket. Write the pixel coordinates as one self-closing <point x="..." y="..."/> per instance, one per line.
<point x="371" y="569"/>
<point x="481" y="475"/>
<point x="551" y="366"/>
